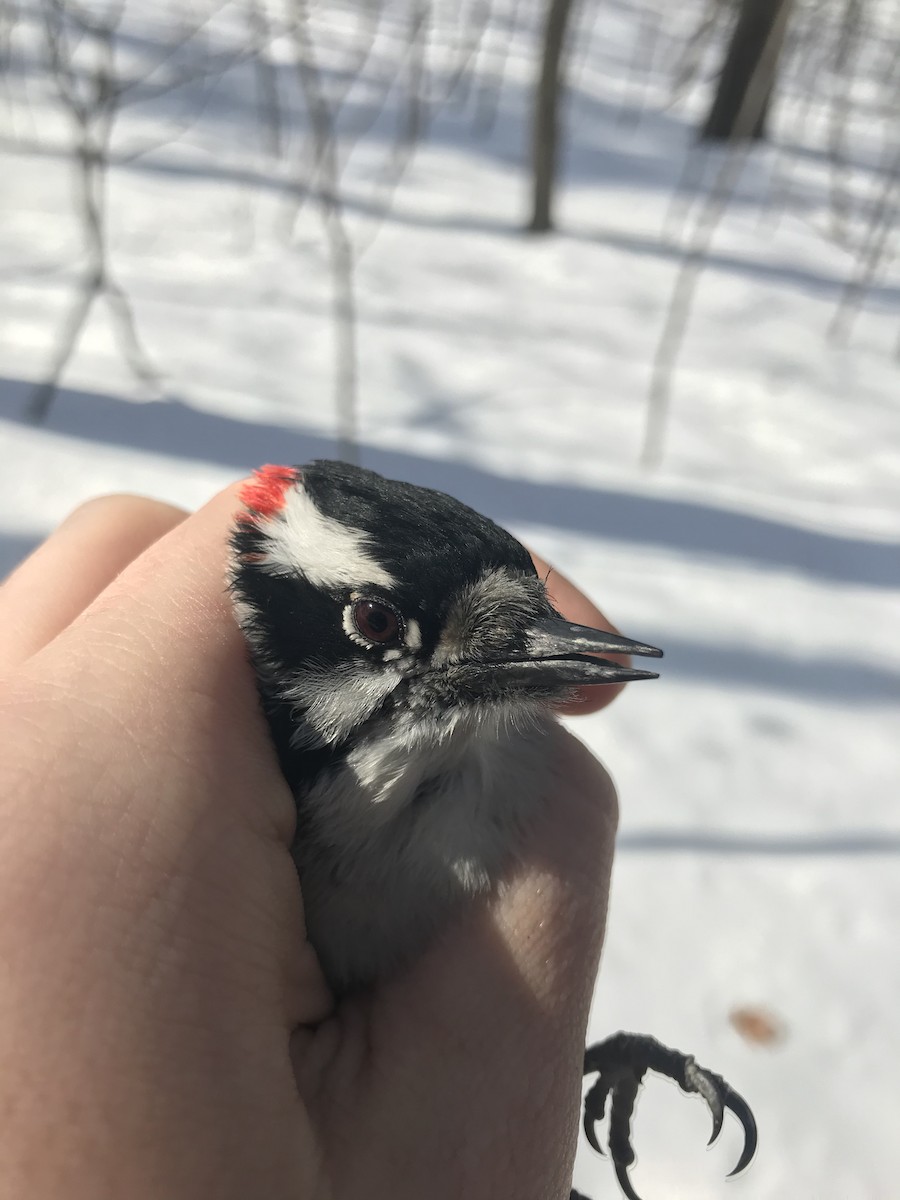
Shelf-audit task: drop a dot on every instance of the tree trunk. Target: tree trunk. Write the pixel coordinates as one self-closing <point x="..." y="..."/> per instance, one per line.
<point x="741" y="103"/>
<point x="545" y="121"/>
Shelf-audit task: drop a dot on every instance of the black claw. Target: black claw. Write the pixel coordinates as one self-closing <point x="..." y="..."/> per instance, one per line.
<point x="711" y="1087"/>
<point x="744" y="1114"/>
<point x="591" y="1134"/>
<point x="718" y="1096"/>
<point x="717" y="1120"/>
<point x="625" y="1182"/>
<point x="595" y="1110"/>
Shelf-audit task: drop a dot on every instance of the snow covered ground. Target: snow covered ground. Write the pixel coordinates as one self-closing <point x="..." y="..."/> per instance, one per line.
<point x="760" y="837"/>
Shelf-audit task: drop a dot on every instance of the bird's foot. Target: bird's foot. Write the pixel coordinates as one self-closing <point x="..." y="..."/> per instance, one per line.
<point x="621" y="1063"/>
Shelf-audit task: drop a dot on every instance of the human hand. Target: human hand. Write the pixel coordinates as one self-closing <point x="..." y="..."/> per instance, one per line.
<point x="164" y="1027"/>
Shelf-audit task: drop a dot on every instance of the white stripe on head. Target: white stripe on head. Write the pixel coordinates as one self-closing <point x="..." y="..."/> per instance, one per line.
<point x="301" y="540"/>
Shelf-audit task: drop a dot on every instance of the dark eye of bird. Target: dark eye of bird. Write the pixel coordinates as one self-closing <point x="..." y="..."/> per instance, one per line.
<point x="376" y="622"/>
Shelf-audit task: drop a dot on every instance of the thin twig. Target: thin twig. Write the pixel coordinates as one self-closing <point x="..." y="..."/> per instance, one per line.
<point x="695" y="254"/>
<point x="874" y="253"/>
<point x="93" y="117"/>
<point x="340" y="250"/>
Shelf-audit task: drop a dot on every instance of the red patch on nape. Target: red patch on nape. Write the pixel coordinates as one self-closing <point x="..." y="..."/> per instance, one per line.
<point x="266" y="492"/>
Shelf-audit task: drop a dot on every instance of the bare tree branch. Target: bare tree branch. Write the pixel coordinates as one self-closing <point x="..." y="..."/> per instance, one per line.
<point x="268" y="96"/>
<point x="93" y="117"/>
<point x="690" y="269"/>
<point x="340" y="250"/>
<point x="839" y="109"/>
<point x="874" y="252"/>
<point x="493" y="75"/>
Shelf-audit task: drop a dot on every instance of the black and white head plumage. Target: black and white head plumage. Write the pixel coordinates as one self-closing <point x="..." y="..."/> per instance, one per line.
<point x="407" y="657"/>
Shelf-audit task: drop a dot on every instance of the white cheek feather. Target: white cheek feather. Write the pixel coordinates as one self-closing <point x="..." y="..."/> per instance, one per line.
<point x="302" y="540"/>
<point x="337" y="701"/>
<point x="390" y="770"/>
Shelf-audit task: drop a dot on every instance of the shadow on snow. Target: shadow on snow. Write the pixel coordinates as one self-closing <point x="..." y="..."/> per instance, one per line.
<point x="172" y="428"/>
<point x="699" y="841"/>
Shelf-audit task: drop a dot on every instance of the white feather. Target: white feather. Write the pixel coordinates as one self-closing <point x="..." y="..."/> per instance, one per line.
<point x="337" y="700"/>
<point x="301" y="539"/>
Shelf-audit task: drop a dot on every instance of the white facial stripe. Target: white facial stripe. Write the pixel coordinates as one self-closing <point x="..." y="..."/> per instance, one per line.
<point x="302" y="540"/>
<point x="338" y="700"/>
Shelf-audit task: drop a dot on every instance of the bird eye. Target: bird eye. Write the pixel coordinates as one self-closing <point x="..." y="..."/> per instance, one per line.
<point x="377" y="622"/>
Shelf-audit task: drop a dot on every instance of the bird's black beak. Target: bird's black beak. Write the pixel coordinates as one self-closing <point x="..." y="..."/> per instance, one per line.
<point x="561" y="654"/>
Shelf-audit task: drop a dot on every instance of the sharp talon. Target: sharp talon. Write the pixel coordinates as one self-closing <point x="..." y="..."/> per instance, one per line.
<point x="719" y="1096"/>
<point x="625" y="1182"/>
<point x="591" y="1135"/>
<point x="744" y="1114"/>
<point x="594" y="1111"/>
<point x="717" y="1112"/>
<point x="710" y="1087"/>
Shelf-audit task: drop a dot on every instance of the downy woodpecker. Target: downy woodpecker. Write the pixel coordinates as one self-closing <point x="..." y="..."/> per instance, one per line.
<point x="408" y="660"/>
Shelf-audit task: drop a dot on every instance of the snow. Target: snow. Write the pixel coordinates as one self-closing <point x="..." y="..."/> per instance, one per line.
<point x="760" y="833"/>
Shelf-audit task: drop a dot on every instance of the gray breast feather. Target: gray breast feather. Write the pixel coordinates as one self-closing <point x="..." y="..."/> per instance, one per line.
<point x="410" y="835"/>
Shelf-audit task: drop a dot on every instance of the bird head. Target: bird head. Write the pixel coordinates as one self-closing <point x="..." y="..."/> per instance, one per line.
<point x="369" y="602"/>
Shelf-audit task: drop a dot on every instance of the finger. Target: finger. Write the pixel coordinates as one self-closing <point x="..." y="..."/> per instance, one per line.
<point x="155" y="673"/>
<point x="73" y="566"/>
<point x="161" y="640"/>
<point x="576" y="607"/>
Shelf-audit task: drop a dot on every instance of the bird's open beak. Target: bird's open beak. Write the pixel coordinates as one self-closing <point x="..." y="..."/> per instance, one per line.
<point x="561" y="654"/>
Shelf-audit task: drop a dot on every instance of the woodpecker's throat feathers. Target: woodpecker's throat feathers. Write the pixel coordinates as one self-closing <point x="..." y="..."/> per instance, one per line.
<point x="407" y="657"/>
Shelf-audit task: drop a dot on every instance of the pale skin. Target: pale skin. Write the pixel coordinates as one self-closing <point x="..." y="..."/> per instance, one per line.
<point x="165" y="1030"/>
